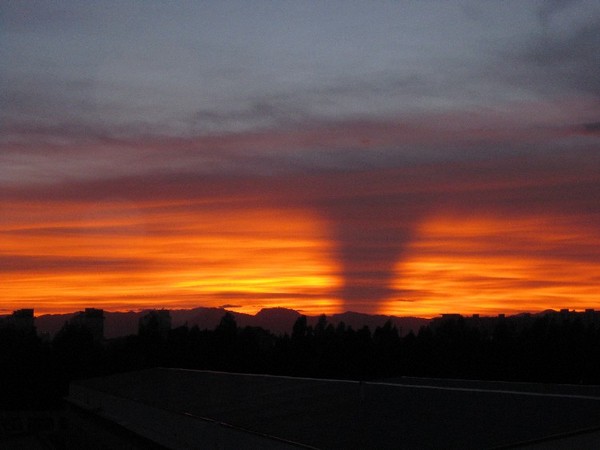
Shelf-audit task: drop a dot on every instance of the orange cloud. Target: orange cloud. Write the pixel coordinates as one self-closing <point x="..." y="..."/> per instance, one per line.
<point x="485" y="235"/>
<point x="121" y="255"/>
<point x="496" y="264"/>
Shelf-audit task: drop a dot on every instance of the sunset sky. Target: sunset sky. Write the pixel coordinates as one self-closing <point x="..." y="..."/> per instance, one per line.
<point x="394" y="157"/>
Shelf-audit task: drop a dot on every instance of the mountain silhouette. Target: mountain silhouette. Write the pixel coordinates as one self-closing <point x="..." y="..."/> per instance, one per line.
<point x="276" y="320"/>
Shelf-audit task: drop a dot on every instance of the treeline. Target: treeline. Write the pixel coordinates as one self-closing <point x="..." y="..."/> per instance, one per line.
<point x="34" y="373"/>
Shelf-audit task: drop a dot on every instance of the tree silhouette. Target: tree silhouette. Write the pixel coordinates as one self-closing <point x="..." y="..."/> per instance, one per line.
<point x="547" y="348"/>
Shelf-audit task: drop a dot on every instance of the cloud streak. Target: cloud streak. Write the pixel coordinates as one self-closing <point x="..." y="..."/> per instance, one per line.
<point x="359" y="230"/>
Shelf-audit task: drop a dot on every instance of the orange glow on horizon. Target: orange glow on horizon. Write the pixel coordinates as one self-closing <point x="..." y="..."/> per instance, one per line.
<point x="121" y="255"/>
<point x="495" y="265"/>
<point x="127" y="256"/>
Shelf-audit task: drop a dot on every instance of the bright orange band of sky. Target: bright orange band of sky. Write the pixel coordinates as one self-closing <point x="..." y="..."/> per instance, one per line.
<point x="491" y="265"/>
<point x="123" y="255"/>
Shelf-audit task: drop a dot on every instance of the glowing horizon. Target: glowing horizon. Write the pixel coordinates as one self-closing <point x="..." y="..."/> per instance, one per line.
<point x="130" y="256"/>
<point x="493" y="265"/>
<point x="135" y="256"/>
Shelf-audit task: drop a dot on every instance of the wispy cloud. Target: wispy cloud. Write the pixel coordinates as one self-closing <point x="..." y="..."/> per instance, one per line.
<point x="357" y="226"/>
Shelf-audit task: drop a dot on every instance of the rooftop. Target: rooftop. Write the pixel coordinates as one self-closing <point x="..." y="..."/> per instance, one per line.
<point x="405" y="412"/>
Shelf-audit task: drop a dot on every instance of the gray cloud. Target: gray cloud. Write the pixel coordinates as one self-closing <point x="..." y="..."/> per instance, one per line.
<point x="550" y="8"/>
<point x="560" y="61"/>
<point x="181" y="70"/>
<point x="593" y="127"/>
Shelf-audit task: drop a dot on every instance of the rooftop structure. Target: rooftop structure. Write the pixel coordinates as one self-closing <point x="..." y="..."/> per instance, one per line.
<point x="91" y="319"/>
<point x="183" y="409"/>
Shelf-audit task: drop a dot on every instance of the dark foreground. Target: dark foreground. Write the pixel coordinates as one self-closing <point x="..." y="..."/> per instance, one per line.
<point x="549" y="349"/>
<point x="200" y="409"/>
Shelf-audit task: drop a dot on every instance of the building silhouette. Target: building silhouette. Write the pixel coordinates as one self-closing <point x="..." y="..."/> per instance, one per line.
<point x="157" y="322"/>
<point x="21" y="320"/>
<point x="91" y="319"/>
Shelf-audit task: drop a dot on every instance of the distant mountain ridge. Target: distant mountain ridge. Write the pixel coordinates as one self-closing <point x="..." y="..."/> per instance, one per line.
<point x="276" y="320"/>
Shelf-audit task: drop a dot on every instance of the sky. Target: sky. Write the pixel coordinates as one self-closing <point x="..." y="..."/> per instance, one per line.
<point x="391" y="157"/>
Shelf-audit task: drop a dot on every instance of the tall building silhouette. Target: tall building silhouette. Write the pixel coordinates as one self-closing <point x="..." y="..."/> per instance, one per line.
<point x="93" y="320"/>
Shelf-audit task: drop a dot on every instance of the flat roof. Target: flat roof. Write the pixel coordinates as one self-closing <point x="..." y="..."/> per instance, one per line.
<point x="398" y="413"/>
